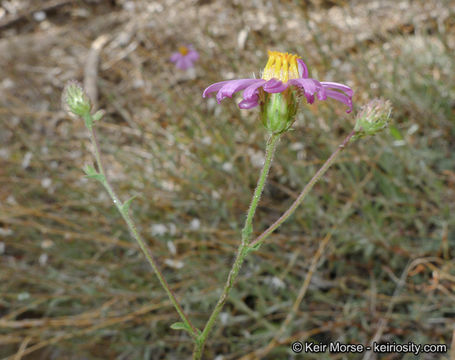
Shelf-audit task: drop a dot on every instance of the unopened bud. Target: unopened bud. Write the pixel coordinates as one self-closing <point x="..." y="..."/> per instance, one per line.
<point x="75" y="100"/>
<point x="372" y="118"/>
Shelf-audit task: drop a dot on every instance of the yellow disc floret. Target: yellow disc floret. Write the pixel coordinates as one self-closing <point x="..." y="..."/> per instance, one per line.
<point x="183" y="50"/>
<point x="281" y="66"/>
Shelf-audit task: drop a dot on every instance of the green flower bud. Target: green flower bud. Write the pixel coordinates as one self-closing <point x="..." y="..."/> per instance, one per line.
<point x="278" y="111"/>
<point x="75" y="100"/>
<point x="372" y="118"/>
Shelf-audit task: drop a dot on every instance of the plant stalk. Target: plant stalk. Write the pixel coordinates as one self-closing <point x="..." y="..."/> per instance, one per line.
<point x="243" y="248"/>
<point x="135" y="234"/>
<point x="261" y="238"/>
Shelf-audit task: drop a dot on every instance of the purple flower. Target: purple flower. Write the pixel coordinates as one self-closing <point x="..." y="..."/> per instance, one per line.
<point x="185" y="57"/>
<point x="284" y="73"/>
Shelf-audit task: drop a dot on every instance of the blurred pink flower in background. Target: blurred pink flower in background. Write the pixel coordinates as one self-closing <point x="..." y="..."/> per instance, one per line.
<point x="184" y="58"/>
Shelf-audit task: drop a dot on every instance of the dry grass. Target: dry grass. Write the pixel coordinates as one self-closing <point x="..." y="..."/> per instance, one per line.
<point x="74" y="286"/>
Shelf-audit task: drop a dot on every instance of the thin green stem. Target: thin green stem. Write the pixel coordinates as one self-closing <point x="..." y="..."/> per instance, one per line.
<point x="135" y="234"/>
<point x="270" y="150"/>
<point x="261" y="238"/>
<point x="242" y="250"/>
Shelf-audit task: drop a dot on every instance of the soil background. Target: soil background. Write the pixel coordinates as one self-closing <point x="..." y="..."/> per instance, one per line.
<point x="371" y="252"/>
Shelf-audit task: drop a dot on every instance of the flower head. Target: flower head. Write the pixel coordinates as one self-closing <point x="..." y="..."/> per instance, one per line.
<point x="373" y="118"/>
<point x="75" y="100"/>
<point x="185" y="57"/>
<point x="278" y="92"/>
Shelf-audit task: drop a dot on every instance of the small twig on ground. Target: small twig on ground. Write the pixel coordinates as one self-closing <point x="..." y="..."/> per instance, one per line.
<point x="20" y="352"/>
<point x="91" y="69"/>
<point x="384" y="320"/>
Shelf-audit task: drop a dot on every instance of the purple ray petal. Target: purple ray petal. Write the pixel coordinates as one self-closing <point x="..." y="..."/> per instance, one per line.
<point x="251" y="103"/>
<point x="274" y="86"/>
<point x="193" y="55"/>
<point x="341" y="98"/>
<point x="175" y="56"/>
<point x="214" y="87"/>
<point x="184" y="63"/>
<point x="309" y="98"/>
<point x="233" y="86"/>
<point x="188" y="63"/>
<point x="342" y="87"/>
<point x="310" y="86"/>
<point x="303" y="70"/>
<point x="251" y="91"/>
<point x="322" y="94"/>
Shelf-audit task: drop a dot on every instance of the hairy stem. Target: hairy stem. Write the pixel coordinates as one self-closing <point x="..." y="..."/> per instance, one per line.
<point x="242" y="250"/>
<point x="261" y="238"/>
<point x="135" y="234"/>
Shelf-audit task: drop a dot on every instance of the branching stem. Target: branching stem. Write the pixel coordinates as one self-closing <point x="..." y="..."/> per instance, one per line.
<point x="243" y="248"/>
<point x="133" y="230"/>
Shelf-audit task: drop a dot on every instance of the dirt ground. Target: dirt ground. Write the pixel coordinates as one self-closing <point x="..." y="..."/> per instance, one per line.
<point x="72" y="283"/>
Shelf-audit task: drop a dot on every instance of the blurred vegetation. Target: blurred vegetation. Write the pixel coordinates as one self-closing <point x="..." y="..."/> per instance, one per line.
<point x="73" y="285"/>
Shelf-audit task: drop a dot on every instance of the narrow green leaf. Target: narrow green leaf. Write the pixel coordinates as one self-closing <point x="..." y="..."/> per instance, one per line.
<point x="180" y="326"/>
<point x="91" y="173"/>
<point x="98" y="177"/>
<point x="395" y="133"/>
<point x="90" y="170"/>
<point x="126" y="205"/>
<point x="253" y="248"/>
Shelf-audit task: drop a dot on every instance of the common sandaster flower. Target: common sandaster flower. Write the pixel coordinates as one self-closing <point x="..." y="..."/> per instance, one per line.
<point x="185" y="57"/>
<point x="283" y="72"/>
